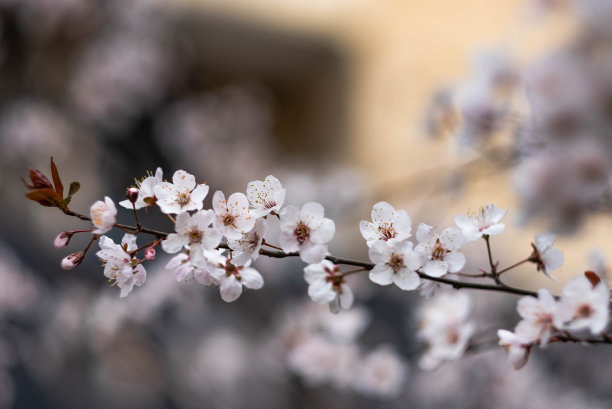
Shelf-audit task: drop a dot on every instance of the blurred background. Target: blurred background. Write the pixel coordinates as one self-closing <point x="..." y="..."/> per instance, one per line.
<point x="436" y="107"/>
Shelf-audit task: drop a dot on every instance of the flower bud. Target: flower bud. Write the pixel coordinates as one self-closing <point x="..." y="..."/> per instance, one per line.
<point x="132" y="194"/>
<point x="62" y="240"/>
<point x="71" y="261"/>
<point x="149" y="253"/>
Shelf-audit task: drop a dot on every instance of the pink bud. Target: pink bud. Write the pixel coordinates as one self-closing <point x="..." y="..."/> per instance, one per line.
<point x="132" y="194"/>
<point x="62" y="240"/>
<point x="149" y="253"/>
<point x="73" y="260"/>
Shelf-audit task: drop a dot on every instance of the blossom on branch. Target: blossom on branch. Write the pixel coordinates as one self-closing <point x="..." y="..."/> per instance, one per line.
<point x="233" y="216"/>
<point x="119" y="265"/>
<point x="267" y="196"/>
<point x="540" y="313"/>
<point x="247" y="247"/>
<point x="103" y="215"/>
<point x="146" y="191"/>
<point x="326" y="285"/>
<point x="185" y="270"/>
<point x="231" y="278"/>
<point x="484" y="222"/>
<point x="194" y="231"/>
<point x="440" y="250"/>
<point x="584" y="305"/>
<point x="182" y="195"/>
<point x="306" y="231"/>
<point x="544" y="255"/>
<point x="387" y="224"/>
<point x="395" y="263"/>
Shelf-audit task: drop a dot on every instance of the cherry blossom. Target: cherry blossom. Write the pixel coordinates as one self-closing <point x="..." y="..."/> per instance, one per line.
<point x="233" y="216"/>
<point x="247" y="247"/>
<point x="518" y="346"/>
<point x="395" y="263"/>
<point x="584" y="305"/>
<point x="62" y="240"/>
<point x="185" y="270"/>
<point x="194" y="231"/>
<point x="103" y="215"/>
<point x="183" y="194"/>
<point x="232" y="278"/>
<point x="306" y="231"/>
<point x="387" y="224"/>
<point x="540" y="313"/>
<point x="119" y="265"/>
<point x="146" y="191"/>
<point x="440" y="250"/>
<point x="326" y="285"/>
<point x="484" y="222"/>
<point x="72" y="260"/>
<point x="445" y="328"/>
<point x="544" y="255"/>
<point x="267" y="196"/>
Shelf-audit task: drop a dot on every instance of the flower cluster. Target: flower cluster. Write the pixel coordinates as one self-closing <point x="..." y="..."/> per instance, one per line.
<point x="583" y="305"/>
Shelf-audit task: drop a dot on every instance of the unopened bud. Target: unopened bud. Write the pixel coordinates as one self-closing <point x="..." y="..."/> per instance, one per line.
<point x="149" y="253"/>
<point x="132" y="194"/>
<point x="62" y="240"/>
<point x="73" y="260"/>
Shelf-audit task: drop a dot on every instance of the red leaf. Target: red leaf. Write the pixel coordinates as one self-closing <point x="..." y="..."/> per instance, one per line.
<point x="45" y="197"/>
<point x="59" y="187"/>
<point x="39" y="181"/>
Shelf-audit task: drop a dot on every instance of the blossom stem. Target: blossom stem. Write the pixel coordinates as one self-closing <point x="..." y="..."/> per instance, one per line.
<point x="265" y="243"/>
<point x="138" y="226"/>
<point x="151" y="243"/>
<point x="357" y="270"/>
<point x="159" y="234"/>
<point x="491" y="264"/>
<point x="500" y="272"/>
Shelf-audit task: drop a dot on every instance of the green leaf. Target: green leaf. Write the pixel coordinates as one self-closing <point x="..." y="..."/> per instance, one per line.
<point x="74" y="187"/>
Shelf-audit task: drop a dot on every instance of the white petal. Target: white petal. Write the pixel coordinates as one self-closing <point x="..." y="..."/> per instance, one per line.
<point x="379" y="252"/>
<point x="382" y="212"/>
<point x="312" y="253"/>
<point x="435" y="268"/>
<point x="381" y="274"/>
<point x="252" y="279"/>
<point x="324" y="233"/>
<point x="321" y="292"/>
<point x="425" y="233"/>
<point x="346" y="297"/>
<point x="455" y="260"/>
<point x="230" y="289"/>
<point x="183" y="181"/>
<point x="173" y="243"/>
<point x="407" y="280"/>
<point x="312" y="211"/>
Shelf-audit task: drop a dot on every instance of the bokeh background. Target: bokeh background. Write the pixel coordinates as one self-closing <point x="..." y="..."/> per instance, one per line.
<point x="427" y="105"/>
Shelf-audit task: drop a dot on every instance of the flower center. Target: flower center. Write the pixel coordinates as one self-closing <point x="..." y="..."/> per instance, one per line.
<point x="183" y="199"/>
<point x="231" y="269"/>
<point x="585" y="311"/>
<point x="396" y="262"/>
<point x="387" y="232"/>
<point x="438" y="251"/>
<point x="269" y="205"/>
<point x="452" y="336"/>
<point x="302" y="232"/>
<point x="195" y="236"/>
<point x="228" y="220"/>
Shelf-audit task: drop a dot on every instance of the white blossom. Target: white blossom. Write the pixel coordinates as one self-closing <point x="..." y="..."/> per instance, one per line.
<point x="185" y="270"/>
<point x="119" y="265"/>
<point x="545" y="256"/>
<point x="232" y="278"/>
<point x="440" y="250"/>
<point x="306" y="231"/>
<point x="194" y="231"/>
<point x="584" y="306"/>
<point x="445" y="328"/>
<point x="182" y="195"/>
<point x="540" y="313"/>
<point x="267" y="196"/>
<point x="247" y="247"/>
<point x="232" y="216"/>
<point x="103" y="215"/>
<point x="395" y="263"/>
<point x="517" y="344"/>
<point x="326" y="285"/>
<point x="484" y="222"/>
<point x="387" y="224"/>
<point x="146" y="191"/>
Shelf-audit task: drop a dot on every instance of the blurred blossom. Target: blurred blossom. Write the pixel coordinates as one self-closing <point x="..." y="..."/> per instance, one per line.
<point x="19" y="292"/>
<point x="382" y="373"/>
<point x="232" y="124"/>
<point x="44" y="17"/>
<point x="120" y="76"/>
<point x="30" y="129"/>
